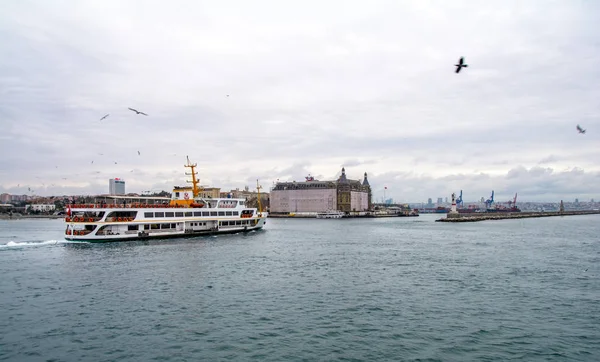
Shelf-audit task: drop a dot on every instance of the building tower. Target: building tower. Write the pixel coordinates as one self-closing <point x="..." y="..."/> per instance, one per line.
<point x="366" y="183"/>
<point x="343" y="193"/>
<point x="116" y="186"/>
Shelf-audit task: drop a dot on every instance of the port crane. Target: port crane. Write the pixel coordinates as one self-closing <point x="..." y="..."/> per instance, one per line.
<point x="459" y="200"/>
<point x="490" y="201"/>
<point x="513" y="203"/>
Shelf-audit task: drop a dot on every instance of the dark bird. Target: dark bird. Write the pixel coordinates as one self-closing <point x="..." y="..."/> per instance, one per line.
<point x="104" y="116"/>
<point x="581" y="130"/>
<point x="115" y="162"/>
<point x="92" y="161"/>
<point x="228" y="95"/>
<point x="139" y="153"/>
<point x="138" y="112"/>
<point x="460" y="64"/>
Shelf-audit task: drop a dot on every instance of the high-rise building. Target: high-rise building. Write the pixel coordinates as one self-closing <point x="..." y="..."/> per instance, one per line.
<point x="116" y="186"/>
<point x="439" y="201"/>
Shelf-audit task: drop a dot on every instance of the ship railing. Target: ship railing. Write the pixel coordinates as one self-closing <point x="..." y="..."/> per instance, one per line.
<point x="82" y="219"/>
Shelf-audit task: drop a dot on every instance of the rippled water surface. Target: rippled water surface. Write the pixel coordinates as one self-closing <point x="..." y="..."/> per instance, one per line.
<point x="307" y="290"/>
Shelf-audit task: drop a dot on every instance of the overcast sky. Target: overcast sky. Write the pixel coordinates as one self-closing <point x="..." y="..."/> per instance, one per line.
<point x="313" y="86"/>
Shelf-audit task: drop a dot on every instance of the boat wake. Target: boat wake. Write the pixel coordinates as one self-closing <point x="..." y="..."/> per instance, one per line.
<point x="13" y="244"/>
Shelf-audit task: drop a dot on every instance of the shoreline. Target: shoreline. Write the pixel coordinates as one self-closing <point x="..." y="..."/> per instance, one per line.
<point x="19" y="217"/>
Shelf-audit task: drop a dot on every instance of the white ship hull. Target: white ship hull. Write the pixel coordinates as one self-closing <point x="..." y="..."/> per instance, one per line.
<point x="149" y="222"/>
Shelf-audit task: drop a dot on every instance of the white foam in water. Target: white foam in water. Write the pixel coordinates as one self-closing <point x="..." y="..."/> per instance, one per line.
<point x="16" y="245"/>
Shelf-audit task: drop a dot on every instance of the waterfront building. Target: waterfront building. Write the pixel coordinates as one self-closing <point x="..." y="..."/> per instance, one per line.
<point x="209" y="192"/>
<point x="116" y="186"/>
<point x="41" y="207"/>
<point x="316" y="196"/>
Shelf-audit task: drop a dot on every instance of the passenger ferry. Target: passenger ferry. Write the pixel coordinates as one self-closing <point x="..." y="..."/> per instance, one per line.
<point x="331" y="214"/>
<point x="184" y="214"/>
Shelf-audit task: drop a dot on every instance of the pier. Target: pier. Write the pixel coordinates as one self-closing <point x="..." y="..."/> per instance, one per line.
<point x="513" y="215"/>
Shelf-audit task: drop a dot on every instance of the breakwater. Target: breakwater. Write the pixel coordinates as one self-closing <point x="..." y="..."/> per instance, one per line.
<point x="313" y="215"/>
<point x="513" y="215"/>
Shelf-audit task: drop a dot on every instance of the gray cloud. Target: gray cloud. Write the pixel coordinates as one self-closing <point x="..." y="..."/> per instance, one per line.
<point x="311" y="87"/>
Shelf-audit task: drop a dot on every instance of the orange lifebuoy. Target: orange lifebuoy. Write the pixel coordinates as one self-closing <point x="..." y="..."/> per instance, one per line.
<point x="90" y="220"/>
<point x="119" y="219"/>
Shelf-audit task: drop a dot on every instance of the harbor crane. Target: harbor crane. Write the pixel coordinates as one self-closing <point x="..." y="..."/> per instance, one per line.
<point x="459" y="200"/>
<point x="513" y="203"/>
<point x="490" y="201"/>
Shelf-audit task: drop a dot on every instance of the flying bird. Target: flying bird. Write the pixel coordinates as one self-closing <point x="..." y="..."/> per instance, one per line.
<point x="581" y="130"/>
<point x="138" y="112"/>
<point x="92" y="161"/>
<point x="138" y="153"/>
<point x="115" y="162"/>
<point x="106" y="115"/>
<point x="460" y="64"/>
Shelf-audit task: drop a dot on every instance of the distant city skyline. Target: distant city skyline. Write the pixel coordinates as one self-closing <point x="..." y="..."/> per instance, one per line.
<point x="274" y="90"/>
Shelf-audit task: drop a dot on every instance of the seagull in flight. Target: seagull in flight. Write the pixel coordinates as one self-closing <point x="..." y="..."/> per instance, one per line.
<point x="460" y="64"/>
<point x="106" y="115"/>
<point x="581" y="130"/>
<point x="139" y="153"/>
<point x="138" y="112"/>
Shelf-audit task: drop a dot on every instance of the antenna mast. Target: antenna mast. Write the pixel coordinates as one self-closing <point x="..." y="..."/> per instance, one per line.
<point x="194" y="182"/>
<point x="258" y="187"/>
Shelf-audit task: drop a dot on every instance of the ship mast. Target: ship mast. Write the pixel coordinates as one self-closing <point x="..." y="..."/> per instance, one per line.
<point x="195" y="190"/>
<point x="258" y="187"/>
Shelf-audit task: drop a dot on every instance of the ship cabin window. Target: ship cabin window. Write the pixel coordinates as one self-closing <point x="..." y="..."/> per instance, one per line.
<point x="228" y="213"/>
<point x="179" y="214"/>
<point x="155" y="226"/>
<point x="177" y="194"/>
<point x="173" y="226"/>
<point x="213" y="213"/>
<point x="188" y="213"/>
<point x="146" y="227"/>
<point x="205" y="213"/>
<point x="221" y="213"/>
<point x="148" y="214"/>
<point x="132" y="227"/>
<point x="169" y="214"/>
<point x="197" y="213"/>
<point x="159" y="214"/>
<point x="242" y="202"/>
<point x="238" y="222"/>
<point x="167" y="226"/>
<point x="235" y="213"/>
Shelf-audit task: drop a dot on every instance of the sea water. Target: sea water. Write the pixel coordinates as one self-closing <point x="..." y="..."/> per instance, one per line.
<point x="389" y="289"/>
